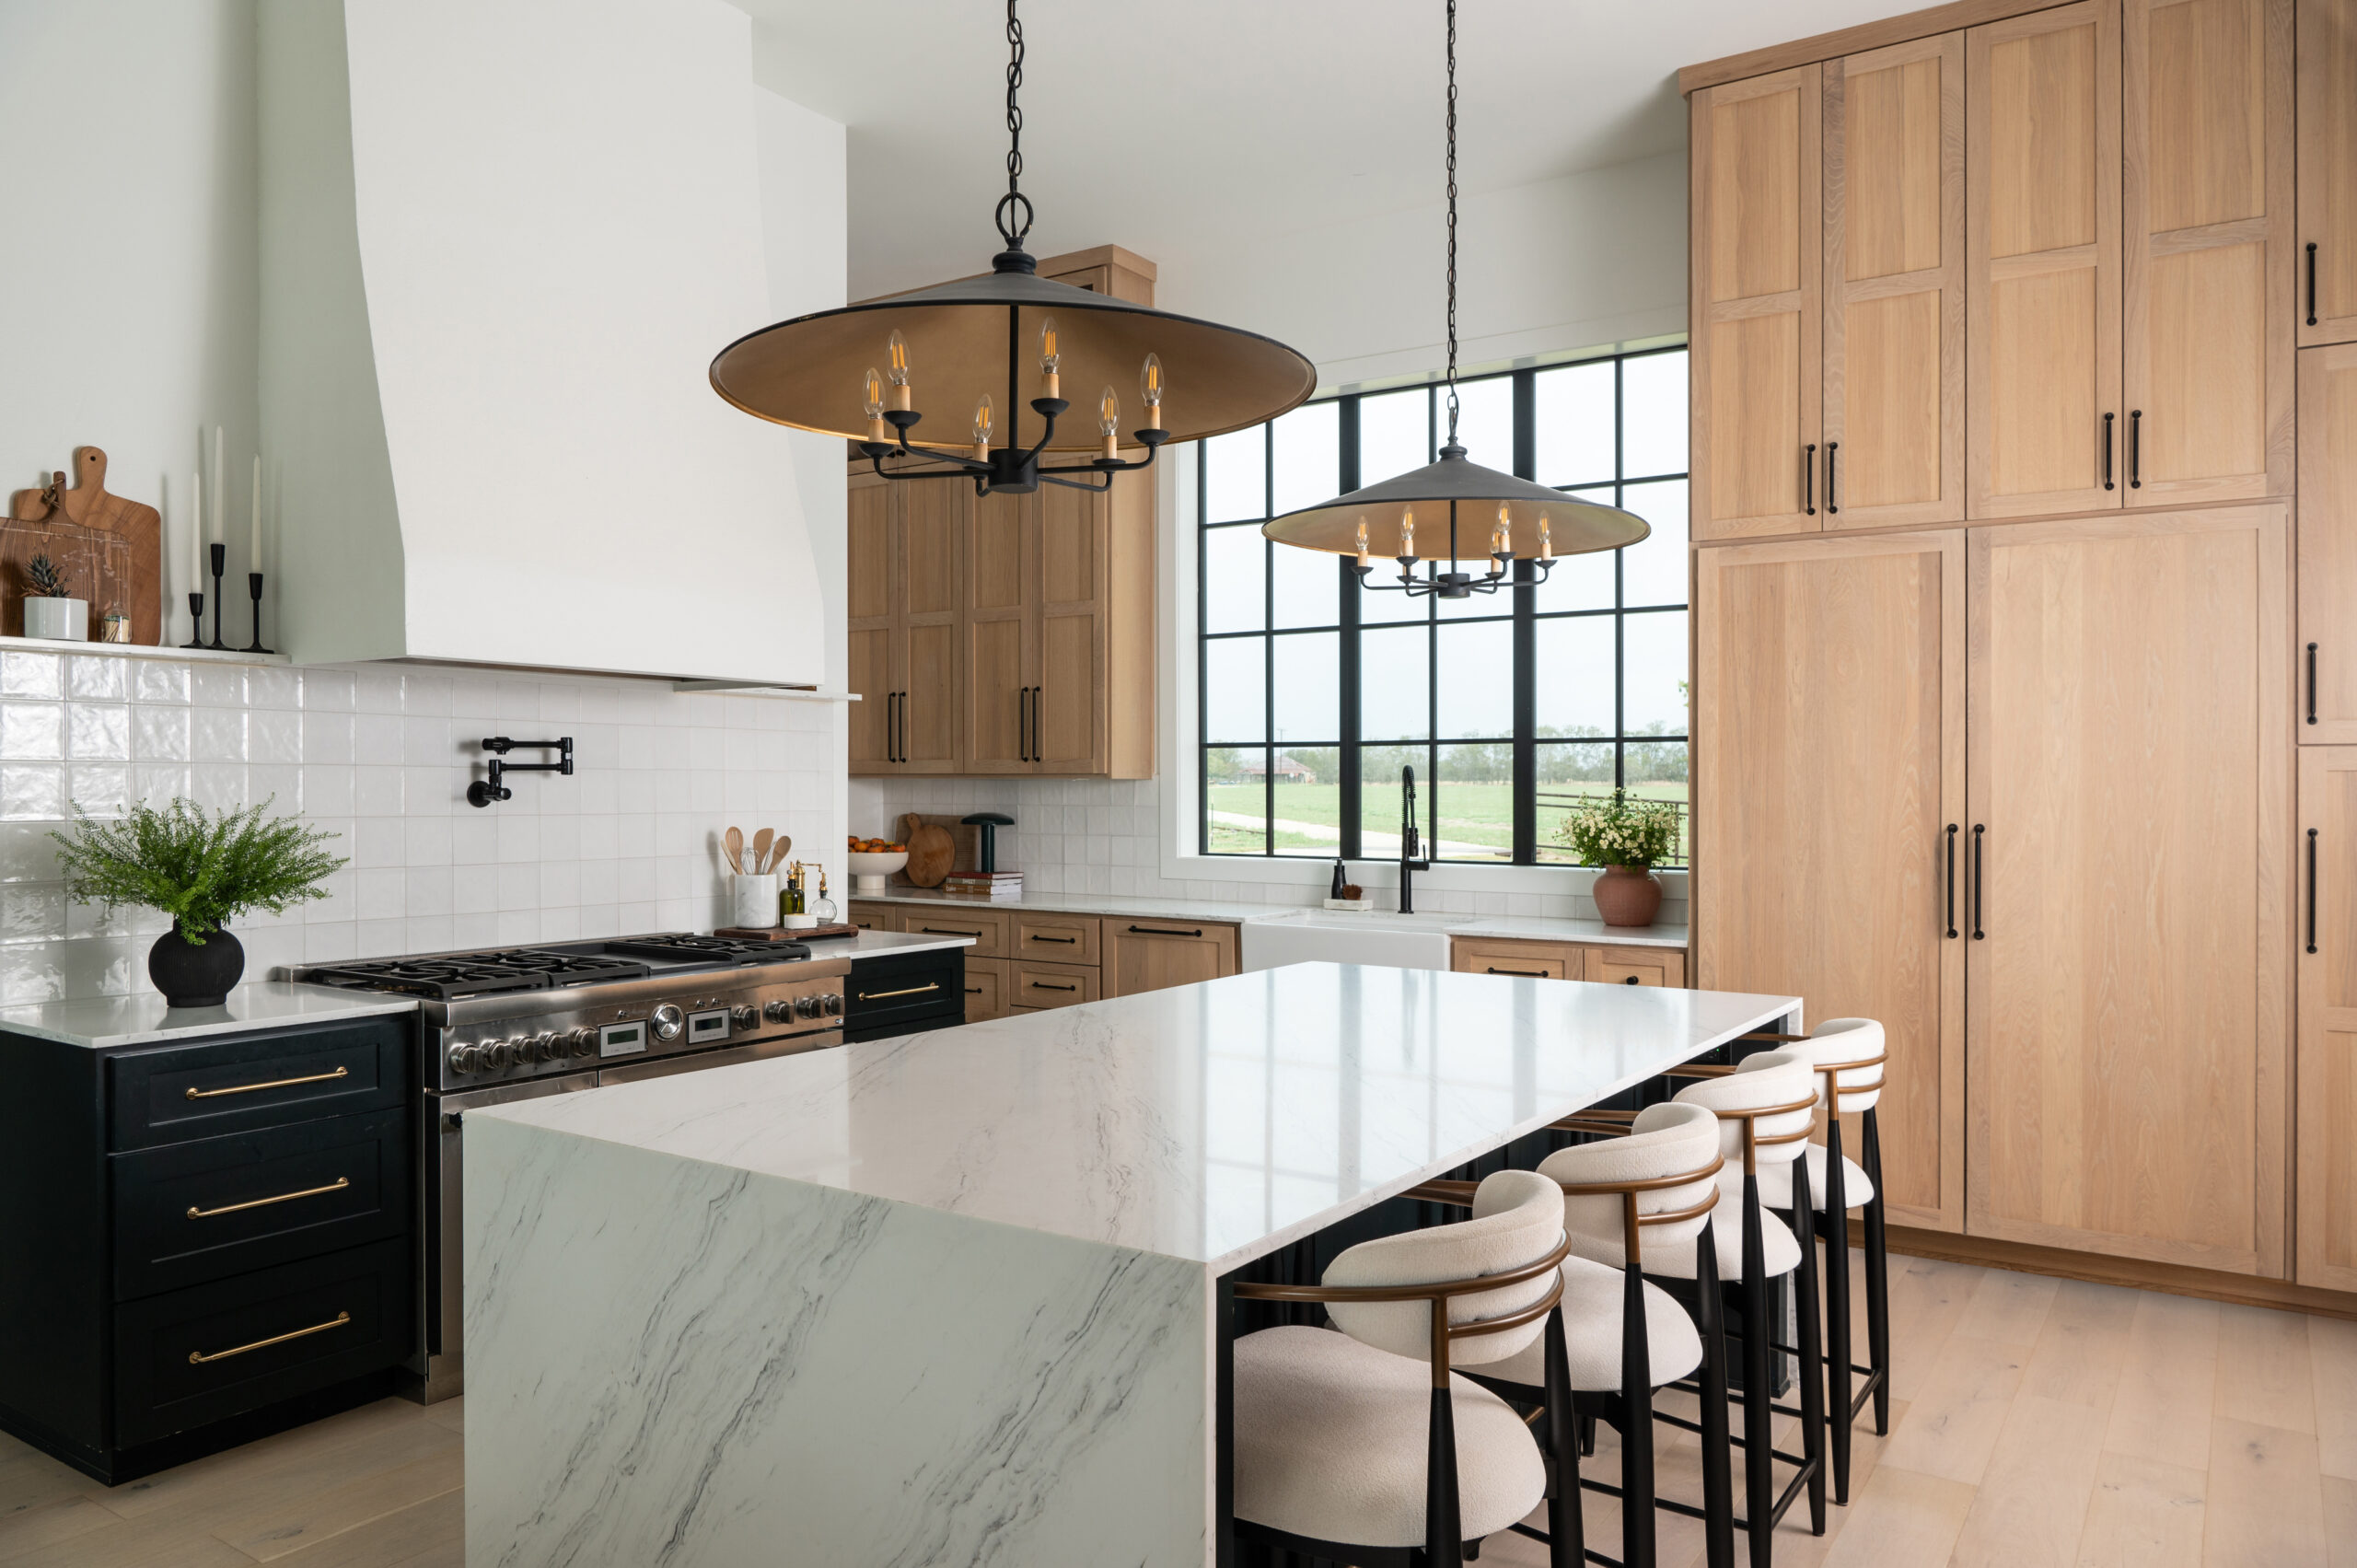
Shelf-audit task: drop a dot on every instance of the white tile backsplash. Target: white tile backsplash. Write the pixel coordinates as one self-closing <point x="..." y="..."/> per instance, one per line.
<point x="381" y="756"/>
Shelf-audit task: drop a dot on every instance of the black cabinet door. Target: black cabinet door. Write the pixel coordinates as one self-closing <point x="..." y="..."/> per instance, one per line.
<point x="900" y="995"/>
<point x="193" y="1356"/>
<point x="190" y="1213"/>
<point x="174" y="1094"/>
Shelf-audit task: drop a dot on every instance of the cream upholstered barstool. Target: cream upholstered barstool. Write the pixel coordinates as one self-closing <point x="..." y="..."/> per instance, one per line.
<point x="1625" y="1201"/>
<point x="1362" y="1443"/>
<point x="1764" y="1110"/>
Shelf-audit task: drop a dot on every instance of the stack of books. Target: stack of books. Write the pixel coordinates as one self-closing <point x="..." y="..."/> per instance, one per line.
<point x="985" y="883"/>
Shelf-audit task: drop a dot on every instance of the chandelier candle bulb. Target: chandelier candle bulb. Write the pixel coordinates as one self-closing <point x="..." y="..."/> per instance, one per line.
<point x="876" y="429"/>
<point x="1408" y="536"/>
<point x="895" y="350"/>
<point x="982" y="429"/>
<point x="1546" y="545"/>
<point x="1362" y="544"/>
<point x="1150" y="383"/>
<point x="1050" y="362"/>
<point x="1108" y="423"/>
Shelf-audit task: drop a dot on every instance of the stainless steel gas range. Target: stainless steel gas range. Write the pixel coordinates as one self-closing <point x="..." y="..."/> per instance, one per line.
<point x="518" y="1023"/>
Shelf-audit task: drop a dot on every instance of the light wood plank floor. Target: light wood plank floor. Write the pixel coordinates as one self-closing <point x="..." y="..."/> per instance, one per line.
<point x="2035" y="1422"/>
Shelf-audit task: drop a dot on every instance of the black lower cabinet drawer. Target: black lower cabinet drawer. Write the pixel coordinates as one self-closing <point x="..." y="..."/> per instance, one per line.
<point x="175" y="1093"/>
<point x="198" y="1356"/>
<point x="191" y="1212"/>
<point x="897" y="996"/>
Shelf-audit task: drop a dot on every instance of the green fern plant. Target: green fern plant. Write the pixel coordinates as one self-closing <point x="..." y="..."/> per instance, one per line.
<point x="199" y="867"/>
<point x="48" y="581"/>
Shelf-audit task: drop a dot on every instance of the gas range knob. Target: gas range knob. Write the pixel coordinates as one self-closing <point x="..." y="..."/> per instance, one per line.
<point x="669" y="1021"/>
<point x="464" y="1059"/>
<point x="496" y="1055"/>
<point x="542" y="1047"/>
<point x="581" y="1042"/>
<point x="779" y="1012"/>
<point x="744" y="1016"/>
<point x="807" y="1006"/>
<point x="833" y="1002"/>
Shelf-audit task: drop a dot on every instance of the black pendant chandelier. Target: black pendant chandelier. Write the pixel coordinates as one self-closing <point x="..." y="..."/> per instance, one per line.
<point x="853" y="372"/>
<point x="1525" y="521"/>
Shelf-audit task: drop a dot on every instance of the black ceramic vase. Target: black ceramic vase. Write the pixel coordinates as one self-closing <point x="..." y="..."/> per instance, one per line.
<point x="194" y="976"/>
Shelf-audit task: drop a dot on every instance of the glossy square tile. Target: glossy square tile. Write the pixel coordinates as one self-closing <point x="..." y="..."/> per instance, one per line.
<point x="30" y="791"/>
<point x="103" y="789"/>
<point x="376" y="791"/>
<point x="327" y="790"/>
<point x="216" y="734"/>
<point x="160" y="735"/>
<point x="217" y="685"/>
<point x="96" y="678"/>
<point x="33" y="732"/>
<point x="273" y="736"/>
<point x="329" y="691"/>
<point x="159" y="782"/>
<point x="98" y="732"/>
<point x="327" y="735"/>
<point x="30" y="674"/>
<point x="158" y="680"/>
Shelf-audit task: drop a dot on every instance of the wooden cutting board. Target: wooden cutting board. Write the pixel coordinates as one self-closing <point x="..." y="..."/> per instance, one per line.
<point x="932" y="852"/>
<point x="124" y="571"/>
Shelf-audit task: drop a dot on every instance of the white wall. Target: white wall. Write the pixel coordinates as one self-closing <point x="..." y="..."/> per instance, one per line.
<point x="128" y="289"/>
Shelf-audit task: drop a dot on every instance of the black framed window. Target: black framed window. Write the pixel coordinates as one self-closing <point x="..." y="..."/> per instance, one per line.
<point x="1315" y="692"/>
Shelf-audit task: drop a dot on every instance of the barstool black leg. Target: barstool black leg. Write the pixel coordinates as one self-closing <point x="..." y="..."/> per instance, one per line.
<point x="1566" y="1533"/>
<point x="1718" y="1475"/>
<point x="1836" y="1308"/>
<point x="1444" y="1536"/>
<point x="1636" y="1424"/>
<point x="1759" y="1458"/>
<point x="1877" y="1281"/>
<point x="1811" y="1343"/>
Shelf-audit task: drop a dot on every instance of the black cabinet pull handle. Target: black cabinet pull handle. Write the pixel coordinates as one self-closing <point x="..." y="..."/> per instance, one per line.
<point x="1830" y="448"/>
<point x="2135" y="448"/>
<point x="1979" y="883"/>
<point x="1809" y="480"/>
<point x="2312" y="683"/>
<point x="1162" y="931"/>
<point x="1034" y="936"/>
<point x="2106" y="452"/>
<point x="1632" y="979"/>
<point x="1951" y="880"/>
<point x="2312" y="295"/>
<point x="2312" y="889"/>
<point x="1523" y="974"/>
<point x="1044" y="985"/>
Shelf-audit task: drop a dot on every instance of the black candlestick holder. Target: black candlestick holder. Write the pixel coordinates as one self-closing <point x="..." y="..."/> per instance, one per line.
<point x="253" y="587"/>
<point x="220" y="563"/>
<point x="195" y="620"/>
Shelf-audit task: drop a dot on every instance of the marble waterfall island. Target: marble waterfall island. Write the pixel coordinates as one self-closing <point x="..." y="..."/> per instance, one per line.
<point x="951" y="1298"/>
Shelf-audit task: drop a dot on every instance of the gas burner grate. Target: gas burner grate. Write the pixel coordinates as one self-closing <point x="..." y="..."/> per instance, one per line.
<point x="681" y="947"/>
<point x="451" y="976"/>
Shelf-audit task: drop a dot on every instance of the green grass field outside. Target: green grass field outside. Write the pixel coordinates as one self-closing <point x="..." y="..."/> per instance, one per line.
<point x="1473" y="817"/>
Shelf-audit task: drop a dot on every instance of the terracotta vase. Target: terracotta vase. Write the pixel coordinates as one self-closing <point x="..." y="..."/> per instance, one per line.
<point x="1627" y="895"/>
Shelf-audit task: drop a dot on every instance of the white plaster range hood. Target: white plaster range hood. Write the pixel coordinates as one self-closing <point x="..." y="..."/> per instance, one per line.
<point x="501" y="241"/>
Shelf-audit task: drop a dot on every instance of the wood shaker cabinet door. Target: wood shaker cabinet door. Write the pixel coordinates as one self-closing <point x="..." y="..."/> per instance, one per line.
<point x="934" y="522"/>
<point x="1526" y="960"/>
<point x="869" y="594"/>
<point x="1830" y="752"/>
<point x="2126" y="1047"/>
<point x="1001" y="634"/>
<point x="1893" y="286"/>
<point x="2206" y="220"/>
<point x="2324" y="1209"/>
<point x="2327" y="250"/>
<point x="1068" y="727"/>
<point x="1755" y="306"/>
<point x="2042" y="428"/>
<point x="2327" y="636"/>
<point x="1152" y="955"/>
<point x="987" y="983"/>
<point x="1637" y="965"/>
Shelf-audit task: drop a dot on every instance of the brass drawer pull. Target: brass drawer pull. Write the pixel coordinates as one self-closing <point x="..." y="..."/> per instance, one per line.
<point x="1044" y="985"/>
<point x="338" y="1185"/>
<point x="198" y="1358"/>
<point x="1162" y="931"/>
<point x="912" y="991"/>
<point x="1525" y="974"/>
<point x="1034" y="936"/>
<point x="274" y="1083"/>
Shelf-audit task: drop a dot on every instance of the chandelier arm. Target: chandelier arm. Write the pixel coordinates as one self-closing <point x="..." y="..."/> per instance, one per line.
<point x="1046" y="435"/>
<point x="1047" y="476"/>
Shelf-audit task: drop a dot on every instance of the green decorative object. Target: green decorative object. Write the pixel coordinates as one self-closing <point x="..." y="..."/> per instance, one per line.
<point x="48" y="581"/>
<point x="197" y="867"/>
<point x="1620" y="829"/>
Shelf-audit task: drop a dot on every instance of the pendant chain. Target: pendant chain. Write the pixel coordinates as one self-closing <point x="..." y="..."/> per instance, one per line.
<point x="1452" y="220"/>
<point x="1008" y="228"/>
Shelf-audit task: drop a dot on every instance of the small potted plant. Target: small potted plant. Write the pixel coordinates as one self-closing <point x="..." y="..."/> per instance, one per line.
<point x="50" y="609"/>
<point x="201" y="869"/>
<point x="1626" y="835"/>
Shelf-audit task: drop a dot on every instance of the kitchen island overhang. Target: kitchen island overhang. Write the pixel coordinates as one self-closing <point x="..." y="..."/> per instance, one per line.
<point x="950" y="1298"/>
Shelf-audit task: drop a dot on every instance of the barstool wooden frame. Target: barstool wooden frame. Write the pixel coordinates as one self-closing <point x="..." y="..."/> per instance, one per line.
<point x="1848" y="1398"/>
<point x="1762" y="1499"/>
<point x="1444" y="1544"/>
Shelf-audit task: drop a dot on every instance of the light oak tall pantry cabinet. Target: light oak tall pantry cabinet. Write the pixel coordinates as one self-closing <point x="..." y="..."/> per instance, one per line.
<point x="1003" y="633"/>
<point x="2326" y="954"/>
<point x="2328" y="130"/>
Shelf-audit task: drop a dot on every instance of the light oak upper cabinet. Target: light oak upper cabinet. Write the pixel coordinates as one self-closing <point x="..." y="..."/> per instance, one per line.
<point x="1001" y="634"/>
<point x="1829" y="694"/>
<point x="1893" y="286"/>
<point x="2043" y="277"/>
<point x="2206" y="221"/>
<point x="903" y="554"/>
<point x="1756" y="306"/>
<point x="2328" y="203"/>
<point x="2129" y="823"/>
<point x="2328" y="638"/>
<point x="2327" y="1188"/>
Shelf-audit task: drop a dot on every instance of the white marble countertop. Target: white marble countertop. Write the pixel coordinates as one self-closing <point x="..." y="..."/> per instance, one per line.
<point x="1211" y="1123"/>
<point x="1515" y="927"/>
<point x="145" y="1020"/>
<point x="875" y="944"/>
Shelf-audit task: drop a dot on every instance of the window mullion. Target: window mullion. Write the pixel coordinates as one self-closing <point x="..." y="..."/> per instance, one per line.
<point x="1346" y="480"/>
<point x="1524" y="770"/>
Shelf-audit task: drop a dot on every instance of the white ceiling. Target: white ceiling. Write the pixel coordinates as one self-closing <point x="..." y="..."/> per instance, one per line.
<point x="1165" y="126"/>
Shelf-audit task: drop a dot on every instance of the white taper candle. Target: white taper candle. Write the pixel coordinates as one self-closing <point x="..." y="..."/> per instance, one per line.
<point x="197" y="532"/>
<point x="220" y="490"/>
<point x="253" y="559"/>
